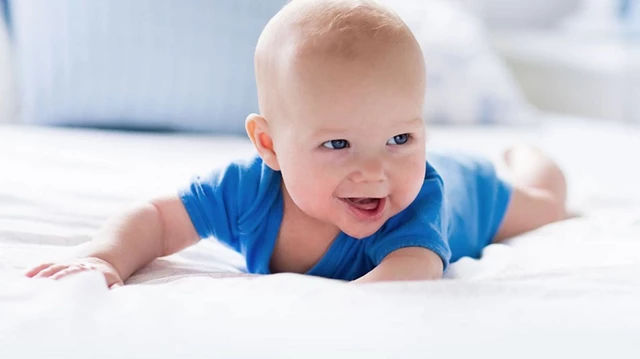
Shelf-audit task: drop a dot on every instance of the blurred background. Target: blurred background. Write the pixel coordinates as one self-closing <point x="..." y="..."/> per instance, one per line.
<point x="169" y="65"/>
<point x="570" y="56"/>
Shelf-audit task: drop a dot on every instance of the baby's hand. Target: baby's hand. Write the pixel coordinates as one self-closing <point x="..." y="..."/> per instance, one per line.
<point x="60" y="270"/>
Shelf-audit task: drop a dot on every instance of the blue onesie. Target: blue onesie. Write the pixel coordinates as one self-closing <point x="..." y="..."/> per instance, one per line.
<point x="457" y="212"/>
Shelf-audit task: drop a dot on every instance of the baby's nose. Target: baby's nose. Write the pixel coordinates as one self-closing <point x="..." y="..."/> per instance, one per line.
<point x="369" y="170"/>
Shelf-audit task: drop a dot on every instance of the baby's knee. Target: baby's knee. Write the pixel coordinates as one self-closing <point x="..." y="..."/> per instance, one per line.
<point x="554" y="204"/>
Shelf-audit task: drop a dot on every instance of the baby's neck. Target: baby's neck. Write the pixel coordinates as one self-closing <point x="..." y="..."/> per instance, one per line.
<point x="302" y="240"/>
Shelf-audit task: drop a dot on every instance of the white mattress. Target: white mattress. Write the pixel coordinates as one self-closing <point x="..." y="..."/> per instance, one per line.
<point x="568" y="289"/>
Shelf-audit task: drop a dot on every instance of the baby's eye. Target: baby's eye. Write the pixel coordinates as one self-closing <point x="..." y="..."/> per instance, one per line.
<point x="336" y="144"/>
<point x="398" y="139"/>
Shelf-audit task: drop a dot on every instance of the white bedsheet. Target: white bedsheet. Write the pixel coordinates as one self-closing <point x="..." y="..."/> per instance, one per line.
<point x="568" y="289"/>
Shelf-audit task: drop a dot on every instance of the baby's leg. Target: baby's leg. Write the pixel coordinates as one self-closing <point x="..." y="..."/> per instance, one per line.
<point x="539" y="191"/>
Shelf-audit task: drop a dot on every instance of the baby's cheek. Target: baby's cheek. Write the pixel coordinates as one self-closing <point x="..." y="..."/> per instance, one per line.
<point x="411" y="183"/>
<point x="307" y="189"/>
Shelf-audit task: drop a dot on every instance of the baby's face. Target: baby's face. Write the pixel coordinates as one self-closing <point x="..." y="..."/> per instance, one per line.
<point x="351" y="148"/>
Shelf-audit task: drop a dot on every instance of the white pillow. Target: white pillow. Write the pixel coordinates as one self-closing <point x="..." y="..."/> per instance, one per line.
<point x="466" y="81"/>
<point x="7" y="99"/>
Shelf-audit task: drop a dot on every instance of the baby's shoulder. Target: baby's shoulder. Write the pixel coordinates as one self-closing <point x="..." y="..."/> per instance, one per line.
<point x="248" y="173"/>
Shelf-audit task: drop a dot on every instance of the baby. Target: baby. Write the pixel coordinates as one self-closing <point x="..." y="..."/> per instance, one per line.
<point x="341" y="186"/>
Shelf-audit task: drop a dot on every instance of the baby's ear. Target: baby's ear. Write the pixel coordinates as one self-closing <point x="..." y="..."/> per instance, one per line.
<point x="258" y="132"/>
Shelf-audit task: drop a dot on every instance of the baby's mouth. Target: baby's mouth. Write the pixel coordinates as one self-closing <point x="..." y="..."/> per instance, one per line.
<point x="364" y="203"/>
<point x="365" y="208"/>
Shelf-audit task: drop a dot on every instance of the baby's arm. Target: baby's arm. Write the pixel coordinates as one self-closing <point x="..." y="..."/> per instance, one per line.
<point x="128" y="242"/>
<point x="409" y="263"/>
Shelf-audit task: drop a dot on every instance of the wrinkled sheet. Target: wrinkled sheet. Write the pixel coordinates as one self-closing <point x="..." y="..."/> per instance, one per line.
<point x="570" y="288"/>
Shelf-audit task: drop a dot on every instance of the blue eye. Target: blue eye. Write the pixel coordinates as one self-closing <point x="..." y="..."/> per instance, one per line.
<point x="399" y="139"/>
<point x="336" y="144"/>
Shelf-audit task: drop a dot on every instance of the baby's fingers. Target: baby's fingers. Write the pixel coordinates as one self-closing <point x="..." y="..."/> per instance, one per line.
<point x="68" y="271"/>
<point x="51" y="271"/>
<point x="116" y="285"/>
<point x="36" y="270"/>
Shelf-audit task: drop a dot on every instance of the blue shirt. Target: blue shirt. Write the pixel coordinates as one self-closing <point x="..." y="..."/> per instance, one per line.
<point x="456" y="213"/>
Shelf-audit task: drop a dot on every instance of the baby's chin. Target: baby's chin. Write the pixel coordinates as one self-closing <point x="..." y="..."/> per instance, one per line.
<point x="360" y="231"/>
<point x="359" y="234"/>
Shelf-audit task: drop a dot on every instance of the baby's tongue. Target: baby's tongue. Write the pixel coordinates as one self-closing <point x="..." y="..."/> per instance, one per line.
<point x="365" y="203"/>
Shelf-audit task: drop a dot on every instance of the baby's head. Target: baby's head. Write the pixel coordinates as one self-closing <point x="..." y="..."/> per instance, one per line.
<point x="341" y="87"/>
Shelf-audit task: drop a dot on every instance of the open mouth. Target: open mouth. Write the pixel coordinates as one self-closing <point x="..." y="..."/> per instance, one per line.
<point x="365" y="207"/>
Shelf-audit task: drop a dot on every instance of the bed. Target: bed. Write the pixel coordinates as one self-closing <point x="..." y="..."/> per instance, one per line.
<point x="569" y="289"/>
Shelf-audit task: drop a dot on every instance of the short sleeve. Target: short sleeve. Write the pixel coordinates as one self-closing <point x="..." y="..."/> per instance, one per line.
<point x="212" y="203"/>
<point x="241" y="206"/>
<point x="423" y="224"/>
